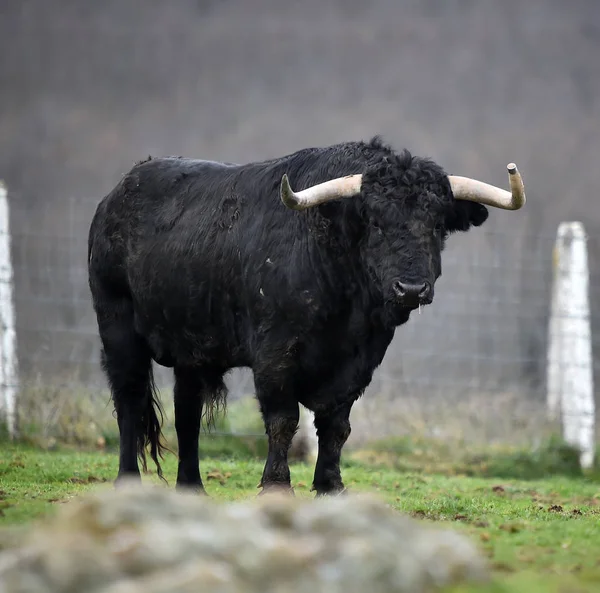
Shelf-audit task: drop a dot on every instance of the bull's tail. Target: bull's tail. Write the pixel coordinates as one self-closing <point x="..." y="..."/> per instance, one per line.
<point x="150" y="436"/>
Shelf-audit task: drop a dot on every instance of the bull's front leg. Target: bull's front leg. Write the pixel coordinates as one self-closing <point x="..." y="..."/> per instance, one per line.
<point x="333" y="430"/>
<point x="281" y="418"/>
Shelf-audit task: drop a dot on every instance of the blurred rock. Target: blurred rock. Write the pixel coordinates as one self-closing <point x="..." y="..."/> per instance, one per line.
<point x="157" y="540"/>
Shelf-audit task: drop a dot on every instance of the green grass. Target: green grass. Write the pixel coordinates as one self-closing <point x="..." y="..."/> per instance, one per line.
<point x="539" y="533"/>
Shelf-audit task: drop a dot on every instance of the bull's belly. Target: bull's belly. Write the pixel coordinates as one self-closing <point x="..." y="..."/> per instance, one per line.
<point x="171" y="347"/>
<point x="321" y="375"/>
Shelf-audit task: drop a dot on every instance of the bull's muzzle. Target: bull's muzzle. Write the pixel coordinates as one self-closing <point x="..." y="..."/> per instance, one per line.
<point x="411" y="295"/>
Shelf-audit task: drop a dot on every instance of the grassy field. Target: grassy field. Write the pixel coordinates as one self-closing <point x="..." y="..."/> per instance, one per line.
<point x="539" y="533"/>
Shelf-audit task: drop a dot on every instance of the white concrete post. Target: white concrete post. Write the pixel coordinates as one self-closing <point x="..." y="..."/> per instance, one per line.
<point x="570" y="389"/>
<point x="305" y="439"/>
<point x="8" y="341"/>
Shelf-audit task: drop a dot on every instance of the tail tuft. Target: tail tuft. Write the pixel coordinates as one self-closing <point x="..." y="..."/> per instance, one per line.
<point x="151" y="434"/>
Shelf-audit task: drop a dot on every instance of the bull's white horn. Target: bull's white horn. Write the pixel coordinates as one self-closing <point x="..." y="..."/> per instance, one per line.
<point x="473" y="190"/>
<point x="341" y="187"/>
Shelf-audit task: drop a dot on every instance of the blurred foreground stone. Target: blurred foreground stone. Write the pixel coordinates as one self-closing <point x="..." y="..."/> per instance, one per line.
<point x="155" y="540"/>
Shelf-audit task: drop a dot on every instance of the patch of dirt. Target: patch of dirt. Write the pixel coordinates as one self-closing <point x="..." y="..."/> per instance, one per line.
<point x="217" y="475"/>
<point x="502" y="567"/>
<point x="418" y="514"/>
<point x="512" y="527"/>
<point x="586" y="501"/>
<point x="88" y="480"/>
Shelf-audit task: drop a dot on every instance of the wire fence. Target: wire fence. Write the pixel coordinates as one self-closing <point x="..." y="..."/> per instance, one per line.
<point x="90" y="89"/>
<point x="472" y="365"/>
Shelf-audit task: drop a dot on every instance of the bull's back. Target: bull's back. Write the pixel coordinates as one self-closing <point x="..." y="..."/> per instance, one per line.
<point x="152" y="243"/>
<point x="149" y="203"/>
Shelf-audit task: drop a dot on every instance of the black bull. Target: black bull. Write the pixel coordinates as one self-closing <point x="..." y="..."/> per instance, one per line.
<point x="201" y="267"/>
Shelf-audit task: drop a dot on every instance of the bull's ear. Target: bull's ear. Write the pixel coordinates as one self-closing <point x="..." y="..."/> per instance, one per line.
<point x="464" y="215"/>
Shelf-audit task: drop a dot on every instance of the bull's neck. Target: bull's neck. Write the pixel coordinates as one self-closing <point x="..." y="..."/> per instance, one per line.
<point x="334" y="233"/>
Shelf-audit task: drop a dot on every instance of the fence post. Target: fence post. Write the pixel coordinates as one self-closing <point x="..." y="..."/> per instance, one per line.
<point x="570" y="389"/>
<point x="8" y="350"/>
<point x="305" y="444"/>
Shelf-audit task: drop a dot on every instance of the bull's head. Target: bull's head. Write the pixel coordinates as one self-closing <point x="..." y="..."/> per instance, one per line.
<point x="409" y="207"/>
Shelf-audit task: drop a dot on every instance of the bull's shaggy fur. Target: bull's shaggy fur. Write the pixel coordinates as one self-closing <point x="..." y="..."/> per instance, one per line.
<point x="199" y="266"/>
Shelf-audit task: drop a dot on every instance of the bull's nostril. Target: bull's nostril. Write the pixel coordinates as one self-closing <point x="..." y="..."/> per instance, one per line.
<point x="425" y="290"/>
<point x="399" y="288"/>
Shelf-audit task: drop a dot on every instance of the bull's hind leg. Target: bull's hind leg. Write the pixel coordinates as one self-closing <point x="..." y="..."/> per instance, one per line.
<point x="281" y="415"/>
<point x="194" y="390"/>
<point x="128" y="366"/>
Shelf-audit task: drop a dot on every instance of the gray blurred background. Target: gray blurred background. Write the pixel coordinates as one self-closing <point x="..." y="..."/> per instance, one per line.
<point x="89" y="88"/>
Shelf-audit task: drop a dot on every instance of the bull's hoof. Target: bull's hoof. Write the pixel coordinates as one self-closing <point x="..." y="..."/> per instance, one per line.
<point x="127" y="479"/>
<point x="276" y="489"/>
<point x="333" y="492"/>
<point x="191" y="489"/>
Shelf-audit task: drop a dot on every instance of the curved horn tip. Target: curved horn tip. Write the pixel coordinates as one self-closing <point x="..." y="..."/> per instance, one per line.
<point x="517" y="189"/>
